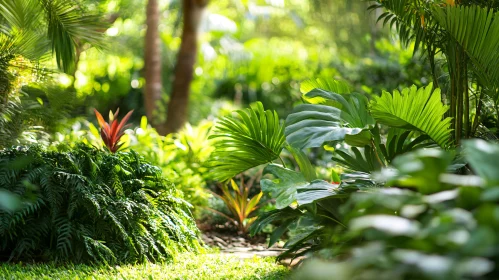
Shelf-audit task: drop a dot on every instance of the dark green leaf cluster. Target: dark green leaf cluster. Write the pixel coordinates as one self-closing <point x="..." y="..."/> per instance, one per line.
<point x="429" y="224"/>
<point x="86" y="205"/>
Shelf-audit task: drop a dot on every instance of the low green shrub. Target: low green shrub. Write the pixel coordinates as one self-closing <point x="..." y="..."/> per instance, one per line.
<point x="307" y="206"/>
<point x="181" y="156"/>
<point x="91" y="206"/>
<point x="426" y="223"/>
<point x="403" y="209"/>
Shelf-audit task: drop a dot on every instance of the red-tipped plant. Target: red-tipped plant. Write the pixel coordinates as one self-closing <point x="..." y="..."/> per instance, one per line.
<point x="111" y="133"/>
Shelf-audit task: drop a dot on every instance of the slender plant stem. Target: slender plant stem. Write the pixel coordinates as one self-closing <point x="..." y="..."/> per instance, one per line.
<point x="477" y="112"/>
<point x="282" y="161"/>
<point x="467" y="125"/>
<point x="431" y="57"/>
<point x="452" y="74"/>
<point x="376" y="153"/>
<point x="459" y="91"/>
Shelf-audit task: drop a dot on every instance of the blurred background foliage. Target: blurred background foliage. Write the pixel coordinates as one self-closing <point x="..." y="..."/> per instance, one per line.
<point x="249" y="51"/>
<point x="54" y="70"/>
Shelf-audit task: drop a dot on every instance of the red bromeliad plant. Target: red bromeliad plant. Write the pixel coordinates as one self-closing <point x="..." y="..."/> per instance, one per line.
<point x="111" y="133"/>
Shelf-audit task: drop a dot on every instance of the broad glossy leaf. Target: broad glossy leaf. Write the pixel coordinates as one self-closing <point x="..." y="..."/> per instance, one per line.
<point x="283" y="189"/>
<point x="483" y="158"/>
<point x="290" y="186"/>
<point x="392" y="225"/>
<point x="315" y="191"/>
<point x="330" y="118"/>
<point x="422" y="169"/>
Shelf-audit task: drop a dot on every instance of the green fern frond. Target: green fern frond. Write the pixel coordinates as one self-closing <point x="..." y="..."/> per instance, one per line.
<point x="78" y="216"/>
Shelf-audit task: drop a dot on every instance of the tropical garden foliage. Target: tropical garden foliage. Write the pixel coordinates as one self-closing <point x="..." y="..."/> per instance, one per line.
<point x="88" y="206"/>
<point x="353" y="147"/>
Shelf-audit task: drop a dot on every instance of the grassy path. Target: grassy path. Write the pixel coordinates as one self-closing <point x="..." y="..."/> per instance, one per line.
<point x="187" y="266"/>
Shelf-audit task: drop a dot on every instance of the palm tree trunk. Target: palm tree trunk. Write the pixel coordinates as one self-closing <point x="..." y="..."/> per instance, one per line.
<point x="179" y="100"/>
<point x="152" y="61"/>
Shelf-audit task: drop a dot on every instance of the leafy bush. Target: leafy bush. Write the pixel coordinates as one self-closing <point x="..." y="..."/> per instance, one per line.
<point x="399" y="213"/>
<point x="305" y="204"/>
<point x="91" y="206"/>
<point x="181" y="156"/>
<point x="426" y="223"/>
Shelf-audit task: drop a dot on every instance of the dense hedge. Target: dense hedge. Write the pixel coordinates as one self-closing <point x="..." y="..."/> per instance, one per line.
<point x="86" y="205"/>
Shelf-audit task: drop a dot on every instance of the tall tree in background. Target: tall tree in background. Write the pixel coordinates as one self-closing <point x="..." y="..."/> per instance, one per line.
<point x="186" y="58"/>
<point x="152" y="60"/>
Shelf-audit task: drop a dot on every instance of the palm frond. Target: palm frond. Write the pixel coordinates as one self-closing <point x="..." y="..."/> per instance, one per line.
<point x="414" y="109"/>
<point x="476" y="29"/>
<point x="22" y="14"/>
<point x="252" y="137"/>
<point x="327" y="85"/>
<point x="68" y="25"/>
<point x="410" y="19"/>
<point x="23" y="28"/>
<point x="357" y="160"/>
<point x="400" y="141"/>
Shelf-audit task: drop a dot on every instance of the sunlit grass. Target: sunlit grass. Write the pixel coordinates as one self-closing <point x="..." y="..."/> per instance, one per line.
<point x="187" y="266"/>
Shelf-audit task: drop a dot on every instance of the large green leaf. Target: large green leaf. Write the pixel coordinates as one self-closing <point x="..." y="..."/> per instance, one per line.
<point x="291" y="186"/>
<point x="414" y="109"/>
<point x="421" y="169"/>
<point x="482" y="157"/>
<point x="329" y="116"/>
<point x="283" y="187"/>
<point x="250" y="138"/>
<point x="476" y="29"/>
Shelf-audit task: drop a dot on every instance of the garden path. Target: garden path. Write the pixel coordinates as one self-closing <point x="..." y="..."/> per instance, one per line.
<point x="243" y="248"/>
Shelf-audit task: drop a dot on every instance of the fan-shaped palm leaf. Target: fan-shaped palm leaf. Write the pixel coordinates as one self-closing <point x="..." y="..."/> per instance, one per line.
<point x="250" y="138"/>
<point x="357" y="160"/>
<point x="327" y="85"/>
<point x="476" y="29"/>
<point x="414" y="109"/>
